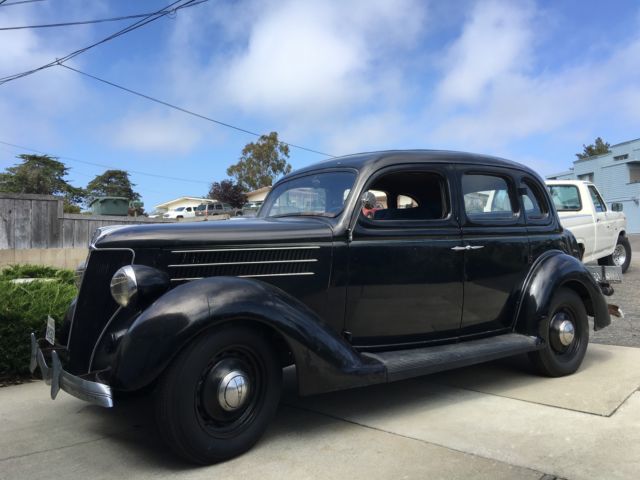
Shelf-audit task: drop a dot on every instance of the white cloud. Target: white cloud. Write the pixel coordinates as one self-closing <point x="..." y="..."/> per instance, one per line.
<point x="496" y="41"/>
<point x="156" y="132"/>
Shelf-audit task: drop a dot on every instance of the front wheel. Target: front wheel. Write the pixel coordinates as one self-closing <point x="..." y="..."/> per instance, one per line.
<point x="217" y="398"/>
<point x="566" y="336"/>
<point x="621" y="256"/>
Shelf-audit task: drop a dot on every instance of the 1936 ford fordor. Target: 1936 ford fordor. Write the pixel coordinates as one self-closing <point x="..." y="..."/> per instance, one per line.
<point x="459" y="259"/>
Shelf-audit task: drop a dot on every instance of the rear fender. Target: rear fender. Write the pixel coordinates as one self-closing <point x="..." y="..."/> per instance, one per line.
<point x="324" y="360"/>
<point x="551" y="271"/>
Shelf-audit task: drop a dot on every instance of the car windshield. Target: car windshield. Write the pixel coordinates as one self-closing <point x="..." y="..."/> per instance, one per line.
<point x="320" y="194"/>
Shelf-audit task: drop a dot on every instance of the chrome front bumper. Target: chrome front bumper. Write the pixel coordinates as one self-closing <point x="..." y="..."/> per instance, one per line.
<point x="93" y="392"/>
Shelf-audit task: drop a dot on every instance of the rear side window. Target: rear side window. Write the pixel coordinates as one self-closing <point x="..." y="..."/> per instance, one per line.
<point x="487" y="197"/>
<point x="535" y="207"/>
<point x="566" y="198"/>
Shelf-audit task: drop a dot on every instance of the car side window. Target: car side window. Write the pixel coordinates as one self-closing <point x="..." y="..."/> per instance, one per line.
<point x="535" y="207"/>
<point x="487" y="197"/>
<point x="597" y="199"/>
<point x="406" y="196"/>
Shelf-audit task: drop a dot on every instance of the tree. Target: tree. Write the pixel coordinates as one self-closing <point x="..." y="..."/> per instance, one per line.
<point x="41" y="174"/>
<point x="228" y="192"/>
<point x="112" y="183"/>
<point x="261" y="163"/>
<point x="597" y="148"/>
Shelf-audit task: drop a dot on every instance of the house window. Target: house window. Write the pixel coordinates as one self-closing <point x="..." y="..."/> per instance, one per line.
<point x="587" y="177"/>
<point x="634" y="172"/>
<point x="621" y="157"/>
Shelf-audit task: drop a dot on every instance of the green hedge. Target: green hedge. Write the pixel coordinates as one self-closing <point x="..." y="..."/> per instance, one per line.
<point x="24" y="308"/>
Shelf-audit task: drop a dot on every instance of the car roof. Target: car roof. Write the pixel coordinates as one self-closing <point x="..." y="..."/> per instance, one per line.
<point x="372" y="160"/>
<point x="567" y="182"/>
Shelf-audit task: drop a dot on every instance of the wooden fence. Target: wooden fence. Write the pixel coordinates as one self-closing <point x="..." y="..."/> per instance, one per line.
<point x="38" y="222"/>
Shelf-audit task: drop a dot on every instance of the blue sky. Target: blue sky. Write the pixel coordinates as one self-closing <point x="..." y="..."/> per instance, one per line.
<point x="528" y="80"/>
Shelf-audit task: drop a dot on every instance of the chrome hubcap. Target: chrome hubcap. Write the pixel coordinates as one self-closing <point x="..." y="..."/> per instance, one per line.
<point x="233" y="391"/>
<point x="619" y="255"/>
<point x="563" y="331"/>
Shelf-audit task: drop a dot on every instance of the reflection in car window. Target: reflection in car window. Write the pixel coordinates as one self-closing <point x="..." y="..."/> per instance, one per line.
<point x="534" y="205"/>
<point x="322" y="194"/>
<point x="597" y="199"/>
<point x="565" y="197"/>
<point x="486" y="197"/>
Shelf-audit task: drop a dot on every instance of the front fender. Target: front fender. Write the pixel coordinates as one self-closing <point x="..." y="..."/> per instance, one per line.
<point x="324" y="360"/>
<point x="550" y="272"/>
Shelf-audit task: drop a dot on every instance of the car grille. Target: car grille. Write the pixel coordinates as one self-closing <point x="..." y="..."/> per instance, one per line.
<point x="95" y="306"/>
<point x="187" y="265"/>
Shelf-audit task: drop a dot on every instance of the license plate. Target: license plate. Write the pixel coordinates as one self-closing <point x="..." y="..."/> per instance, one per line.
<point x="50" y="335"/>
<point x="606" y="274"/>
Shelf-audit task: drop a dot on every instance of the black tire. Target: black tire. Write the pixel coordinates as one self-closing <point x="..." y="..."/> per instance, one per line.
<point x="556" y="359"/>
<point x="188" y="410"/>
<point x="617" y="259"/>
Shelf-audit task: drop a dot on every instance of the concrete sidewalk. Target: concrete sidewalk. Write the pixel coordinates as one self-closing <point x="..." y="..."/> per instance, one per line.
<point x="493" y="421"/>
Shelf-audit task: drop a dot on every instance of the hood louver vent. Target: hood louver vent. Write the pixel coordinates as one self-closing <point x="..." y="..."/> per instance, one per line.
<point x="185" y="265"/>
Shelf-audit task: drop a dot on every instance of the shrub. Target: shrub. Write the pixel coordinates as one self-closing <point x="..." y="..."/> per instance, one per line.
<point x="24" y="308"/>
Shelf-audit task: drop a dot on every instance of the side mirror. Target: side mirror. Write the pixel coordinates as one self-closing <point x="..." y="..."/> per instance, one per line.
<point x="616" y="206"/>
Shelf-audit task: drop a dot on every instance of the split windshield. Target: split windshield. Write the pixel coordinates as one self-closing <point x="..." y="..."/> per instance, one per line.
<point x="320" y="194"/>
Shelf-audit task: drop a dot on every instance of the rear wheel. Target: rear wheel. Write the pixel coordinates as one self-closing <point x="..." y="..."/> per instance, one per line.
<point x="566" y="335"/>
<point x="217" y="398"/>
<point x="621" y="255"/>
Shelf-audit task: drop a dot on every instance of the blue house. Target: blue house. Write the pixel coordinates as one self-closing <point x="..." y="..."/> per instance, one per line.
<point x="617" y="176"/>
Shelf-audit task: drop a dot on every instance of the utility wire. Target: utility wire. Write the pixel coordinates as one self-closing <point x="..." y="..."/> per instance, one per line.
<point x="184" y="110"/>
<point x="3" y="4"/>
<point x="109" y="167"/>
<point x="85" y="22"/>
<point x="150" y="18"/>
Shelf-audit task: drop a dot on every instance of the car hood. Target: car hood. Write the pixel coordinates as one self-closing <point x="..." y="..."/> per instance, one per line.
<point x="215" y="232"/>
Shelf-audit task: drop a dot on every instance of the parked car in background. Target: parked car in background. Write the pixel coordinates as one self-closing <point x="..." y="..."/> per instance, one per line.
<point x="215" y="208"/>
<point x="250" y="209"/>
<point x="601" y="231"/>
<point x="209" y="313"/>
<point x="181" y="212"/>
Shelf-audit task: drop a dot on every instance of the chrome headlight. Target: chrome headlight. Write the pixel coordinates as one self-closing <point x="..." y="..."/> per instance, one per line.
<point x="138" y="284"/>
<point x="124" y="285"/>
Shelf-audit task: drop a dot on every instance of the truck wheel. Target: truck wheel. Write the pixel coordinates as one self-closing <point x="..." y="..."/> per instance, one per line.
<point x="218" y="396"/>
<point x="621" y="256"/>
<point x="566" y="336"/>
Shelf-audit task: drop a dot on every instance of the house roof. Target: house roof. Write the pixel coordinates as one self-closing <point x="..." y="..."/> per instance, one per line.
<point x="195" y="199"/>
<point x="260" y="190"/>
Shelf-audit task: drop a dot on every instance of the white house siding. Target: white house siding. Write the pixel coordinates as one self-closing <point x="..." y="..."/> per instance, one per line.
<point x="612" y="177"/>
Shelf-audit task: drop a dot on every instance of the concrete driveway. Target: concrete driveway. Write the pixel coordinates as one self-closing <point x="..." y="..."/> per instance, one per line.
<point x="492" y="421"/>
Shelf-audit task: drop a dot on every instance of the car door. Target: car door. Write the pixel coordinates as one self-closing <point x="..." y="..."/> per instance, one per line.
<point x="404" y="280"/>
<point x="496" y="254"/>
<point x="605" y="240"/>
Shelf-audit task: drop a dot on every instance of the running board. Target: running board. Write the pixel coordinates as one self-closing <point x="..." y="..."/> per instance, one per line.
<point x="402" y="364"/>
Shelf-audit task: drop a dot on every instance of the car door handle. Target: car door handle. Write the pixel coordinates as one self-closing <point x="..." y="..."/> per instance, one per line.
<point x="467" y="247"/>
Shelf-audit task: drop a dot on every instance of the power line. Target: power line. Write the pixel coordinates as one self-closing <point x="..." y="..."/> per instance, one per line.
<point x="3" y="4"/>
<point x="110" y="167"/>
<point x="184" y="110"/>
<point x="83" y="22"/>
<point x="140" y="23"/>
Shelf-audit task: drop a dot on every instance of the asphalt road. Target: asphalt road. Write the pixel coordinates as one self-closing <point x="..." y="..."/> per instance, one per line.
<point x="625" y="331"/>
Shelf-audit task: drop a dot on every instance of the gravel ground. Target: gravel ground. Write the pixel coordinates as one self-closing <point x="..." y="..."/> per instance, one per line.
<point x="625" y="331"/>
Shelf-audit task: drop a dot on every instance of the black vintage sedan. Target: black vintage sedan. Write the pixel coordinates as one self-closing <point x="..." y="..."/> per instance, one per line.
<point x="364" y="269"/>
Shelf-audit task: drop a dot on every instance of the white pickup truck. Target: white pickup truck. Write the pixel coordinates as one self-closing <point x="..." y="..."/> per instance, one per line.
<point x="599" y="230"/>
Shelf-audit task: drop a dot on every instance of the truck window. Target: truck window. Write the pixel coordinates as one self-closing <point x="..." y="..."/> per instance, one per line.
<point x="597" y="199"/>
<point x="566" y="198"/>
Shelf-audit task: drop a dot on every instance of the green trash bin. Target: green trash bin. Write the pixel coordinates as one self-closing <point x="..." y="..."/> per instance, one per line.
<point x="110" y="206"/>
